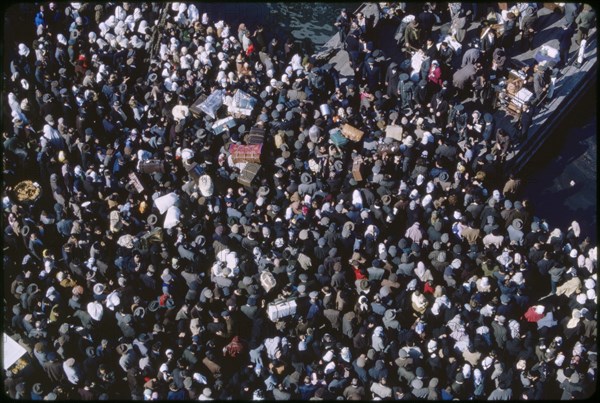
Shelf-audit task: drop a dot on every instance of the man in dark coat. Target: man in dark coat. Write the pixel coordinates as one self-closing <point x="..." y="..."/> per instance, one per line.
<point x="392" y="79"/>
<point x="528" y="27"/>
<point x="540" y="82"/>
<point x="372" y="74"/>
<point x="426" y="20"/>
<point x="464" y="78"/>
<point x="405" y="91"/>
<point x="342" y="23"/>
<point x="564" y="43"/>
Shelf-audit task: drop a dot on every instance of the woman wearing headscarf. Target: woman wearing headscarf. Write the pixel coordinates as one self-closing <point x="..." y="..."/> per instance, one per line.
<point x="556" y="239"/>
<point x="418" y="301"/>
<point x="572" y="235"/>
<point x="572" y="326"/>
<point x="415" y="233"/>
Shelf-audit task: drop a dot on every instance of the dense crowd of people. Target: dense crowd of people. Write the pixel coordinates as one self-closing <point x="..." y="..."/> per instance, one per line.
<point x="404" y="265"/>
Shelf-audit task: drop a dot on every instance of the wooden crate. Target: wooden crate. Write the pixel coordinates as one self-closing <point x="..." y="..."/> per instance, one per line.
<point x="245" y="153"/>
<point x="194" y="170"/>
<point x="352" y="133"/>
<point x="248" y="174"/>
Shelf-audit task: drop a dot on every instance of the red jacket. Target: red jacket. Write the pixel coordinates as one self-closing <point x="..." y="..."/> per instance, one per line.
<point x="532" y="316"/>
<point x="435" y="75"/>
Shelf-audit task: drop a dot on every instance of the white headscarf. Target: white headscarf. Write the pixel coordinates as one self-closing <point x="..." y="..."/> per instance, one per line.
<point x="120" y="14"/>
<point x="576" y="229"/>
<point x="192" y="13"/>
<point x="422" y="272"/>
<point x="514" y="328"/>
<point x="575" y="318"/>
<point x="556" y="233"/>
<point x="357" y="199"/>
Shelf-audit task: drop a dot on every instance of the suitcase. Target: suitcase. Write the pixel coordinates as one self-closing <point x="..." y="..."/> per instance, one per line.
<point x="356" y="166"/>
<point x="152" y="166"/>
<point x="336" y="137"/>
<point x="292" y="103"/>
<point x="255" y="136"/>
<point x="195" y="108"/>
<point x="194" y="170"/>
<point x="394" y="132"/>
<point x="390" y="149"/>
<point x="279" y="309"/>
<point x="248" y="174"/>
<point x="245" y="153"/>
<point x="352" y="133"/>
<point x="135" y="182"/>
<point x="220" y="125"/>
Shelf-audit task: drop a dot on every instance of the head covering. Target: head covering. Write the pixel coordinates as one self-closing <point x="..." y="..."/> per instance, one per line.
<point x="95" y="310"/>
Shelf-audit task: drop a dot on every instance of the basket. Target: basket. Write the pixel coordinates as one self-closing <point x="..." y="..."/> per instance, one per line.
<point x="27" y="191"/>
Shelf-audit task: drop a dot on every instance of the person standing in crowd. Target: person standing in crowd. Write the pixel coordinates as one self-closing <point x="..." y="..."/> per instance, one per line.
<point x="342" y="23"/>
<point x="509" y="31"/>
<point x="585" y="21"/>
<point x="564" y="43"/>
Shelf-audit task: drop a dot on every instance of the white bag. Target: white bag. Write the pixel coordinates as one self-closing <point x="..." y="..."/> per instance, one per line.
<point x="163" y="203"/>
<point x="172" y="217"/>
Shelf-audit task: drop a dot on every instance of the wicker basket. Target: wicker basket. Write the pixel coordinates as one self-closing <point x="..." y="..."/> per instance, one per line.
<point x="27" y="192"/>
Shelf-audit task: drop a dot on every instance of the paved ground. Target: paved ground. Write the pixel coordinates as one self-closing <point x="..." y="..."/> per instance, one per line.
<point x="569" y="155"/>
